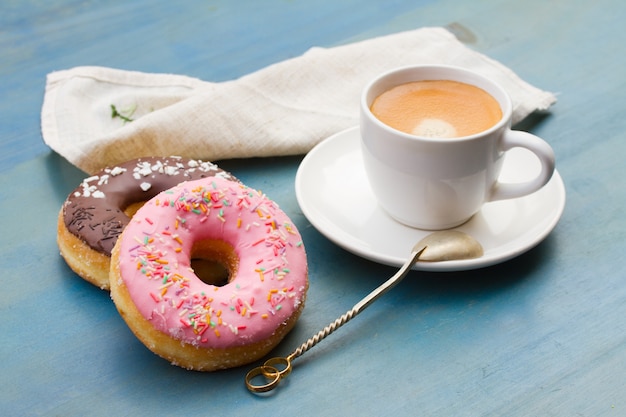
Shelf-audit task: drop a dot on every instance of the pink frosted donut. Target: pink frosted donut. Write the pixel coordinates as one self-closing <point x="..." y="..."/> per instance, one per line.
<point x="199" y="320"/>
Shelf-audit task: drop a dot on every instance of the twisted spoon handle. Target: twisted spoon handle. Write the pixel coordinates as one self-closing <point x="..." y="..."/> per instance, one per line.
<point x="275" y="369"/>
<point x="358" y="307"/>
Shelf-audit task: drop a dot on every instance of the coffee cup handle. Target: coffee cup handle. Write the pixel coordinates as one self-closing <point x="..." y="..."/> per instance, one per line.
<point x="541" y="149"/>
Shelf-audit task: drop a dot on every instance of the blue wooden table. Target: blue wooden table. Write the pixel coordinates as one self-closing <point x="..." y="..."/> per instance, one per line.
<point x="542" y="334"/>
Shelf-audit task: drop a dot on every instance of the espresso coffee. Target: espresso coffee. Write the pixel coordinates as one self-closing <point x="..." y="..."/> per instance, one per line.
<point x="437" y="109"/>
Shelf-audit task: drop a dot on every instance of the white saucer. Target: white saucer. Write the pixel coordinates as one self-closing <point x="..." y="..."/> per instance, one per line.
<point x="334" y="195"/>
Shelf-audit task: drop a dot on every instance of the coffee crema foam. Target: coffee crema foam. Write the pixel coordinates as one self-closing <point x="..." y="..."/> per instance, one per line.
<point x="437" y="109"/>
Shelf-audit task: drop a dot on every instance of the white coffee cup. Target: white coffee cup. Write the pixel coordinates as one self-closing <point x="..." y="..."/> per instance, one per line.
<point x="433" y="183"/>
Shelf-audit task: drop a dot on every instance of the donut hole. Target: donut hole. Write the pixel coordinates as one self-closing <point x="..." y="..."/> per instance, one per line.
<point x="214" y="262"/>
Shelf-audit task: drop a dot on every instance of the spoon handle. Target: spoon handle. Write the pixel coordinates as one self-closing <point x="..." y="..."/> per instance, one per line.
<point x="275" y="369"/>
<point x="359" y="307"/>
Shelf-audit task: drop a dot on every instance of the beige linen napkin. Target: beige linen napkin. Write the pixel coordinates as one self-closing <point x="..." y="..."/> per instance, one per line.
<point x="283" y="109"/>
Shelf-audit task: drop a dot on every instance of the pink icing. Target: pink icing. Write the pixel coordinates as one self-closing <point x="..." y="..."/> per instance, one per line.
<point x="269" y="286"/>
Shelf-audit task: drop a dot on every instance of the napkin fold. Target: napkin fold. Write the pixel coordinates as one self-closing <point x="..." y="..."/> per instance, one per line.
<point x="96" y="117"/>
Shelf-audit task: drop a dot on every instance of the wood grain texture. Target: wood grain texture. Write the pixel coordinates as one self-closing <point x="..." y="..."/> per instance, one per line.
<point x="543" y="334"/>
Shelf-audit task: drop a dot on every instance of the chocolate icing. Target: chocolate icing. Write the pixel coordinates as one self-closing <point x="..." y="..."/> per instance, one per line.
<point x="94" y="211"/>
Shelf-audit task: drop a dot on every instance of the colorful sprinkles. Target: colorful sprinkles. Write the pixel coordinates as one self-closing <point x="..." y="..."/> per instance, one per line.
<point x="157" y="255"/>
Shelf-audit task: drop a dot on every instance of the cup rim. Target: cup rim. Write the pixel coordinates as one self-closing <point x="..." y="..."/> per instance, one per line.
<point x="504" y="100"/>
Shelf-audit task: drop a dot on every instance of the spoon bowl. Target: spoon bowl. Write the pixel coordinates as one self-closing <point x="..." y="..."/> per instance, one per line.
<point x="448" y="245"/>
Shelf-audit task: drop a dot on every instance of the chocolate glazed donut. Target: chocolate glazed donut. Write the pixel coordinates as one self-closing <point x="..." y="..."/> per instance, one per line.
<point x="97" y="211"/>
